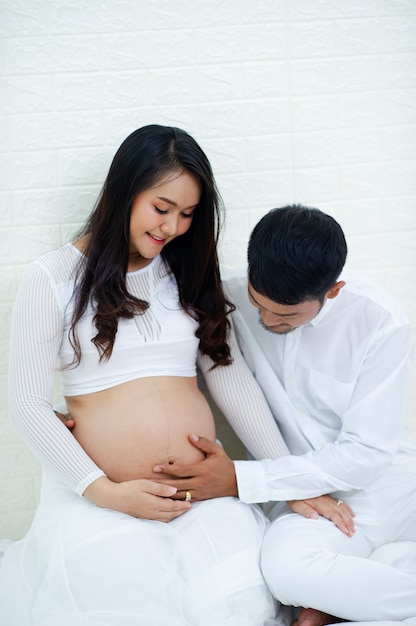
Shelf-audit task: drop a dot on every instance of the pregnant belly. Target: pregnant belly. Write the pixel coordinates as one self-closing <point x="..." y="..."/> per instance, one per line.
<point x="130" y="428"/>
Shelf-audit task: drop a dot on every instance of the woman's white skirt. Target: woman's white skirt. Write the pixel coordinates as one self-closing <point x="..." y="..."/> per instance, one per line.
<point x="83" y="565"/>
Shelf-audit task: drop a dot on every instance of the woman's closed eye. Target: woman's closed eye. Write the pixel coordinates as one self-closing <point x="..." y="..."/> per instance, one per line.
<point x="166" y="211"/>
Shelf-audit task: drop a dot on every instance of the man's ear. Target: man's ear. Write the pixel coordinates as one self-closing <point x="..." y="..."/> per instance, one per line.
<point x="335" y="289"/>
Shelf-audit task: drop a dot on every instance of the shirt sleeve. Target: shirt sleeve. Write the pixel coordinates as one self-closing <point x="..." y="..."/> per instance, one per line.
<point x="277" y="475"/>
<point x="36" y="333"/>
<point x="372" y="428"/>
<point x="238" y="396"/>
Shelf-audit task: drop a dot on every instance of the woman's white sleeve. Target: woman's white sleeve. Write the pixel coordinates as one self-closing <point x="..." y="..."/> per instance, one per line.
<point x="237" y="394"/>
<point x="36" y="334"/>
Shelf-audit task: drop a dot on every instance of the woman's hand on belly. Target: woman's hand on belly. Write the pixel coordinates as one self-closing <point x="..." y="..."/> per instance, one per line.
<point x="140" y="498"/>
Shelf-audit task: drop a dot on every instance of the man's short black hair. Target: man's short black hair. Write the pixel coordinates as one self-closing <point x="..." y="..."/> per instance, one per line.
<point x="296" y="253"/>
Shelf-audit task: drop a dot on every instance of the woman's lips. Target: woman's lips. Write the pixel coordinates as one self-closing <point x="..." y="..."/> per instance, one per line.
<point x="159" y="241"/>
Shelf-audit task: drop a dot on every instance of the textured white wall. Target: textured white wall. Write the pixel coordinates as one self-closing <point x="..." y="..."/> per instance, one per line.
<point x="311" y="101"/>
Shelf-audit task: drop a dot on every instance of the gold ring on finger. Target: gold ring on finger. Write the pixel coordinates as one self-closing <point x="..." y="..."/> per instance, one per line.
<point x="339" y="502"/>
<point x="188" y="496"/>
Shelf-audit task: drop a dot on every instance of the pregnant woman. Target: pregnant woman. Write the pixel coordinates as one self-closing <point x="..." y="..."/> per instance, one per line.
<point x="122" y="313"/>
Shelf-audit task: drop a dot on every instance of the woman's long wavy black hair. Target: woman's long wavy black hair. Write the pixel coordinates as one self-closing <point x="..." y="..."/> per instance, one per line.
<point x="145" y="158"/>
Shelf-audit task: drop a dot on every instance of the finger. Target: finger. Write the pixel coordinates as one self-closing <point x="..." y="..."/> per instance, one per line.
<point x="181" y="484"/>
<point x="342" y="520"/>
<point x="193" y="485"/>
<point x="347" y="527"/>
<point x="348" y="517"/>
<point x="181" y="495"/>
<point x="174" y="506"/>
<point x="204" y="444"/>
<point x="160" y="489"/>
<point x="175" y="471"/>
<point x="169" y="509"/>
<point x="303" y="508"/>
<point x="346" y="507"/>
<point x="65" y="419"/>
<point x="341" y="515"/>
<point x="186" y="495"/>
<point x="344" y="511"/>
<point x="196" y="488"/>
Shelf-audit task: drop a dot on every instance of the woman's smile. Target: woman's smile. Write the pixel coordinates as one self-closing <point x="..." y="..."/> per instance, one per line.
<point x="160" y="214"/>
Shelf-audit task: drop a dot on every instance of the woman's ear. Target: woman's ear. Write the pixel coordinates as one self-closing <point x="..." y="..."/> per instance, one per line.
<point x="335" y="289"/>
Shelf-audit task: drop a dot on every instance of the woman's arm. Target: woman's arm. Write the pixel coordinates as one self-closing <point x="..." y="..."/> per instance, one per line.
<point x="36" y="334"/>
<point x="239" y="397"/>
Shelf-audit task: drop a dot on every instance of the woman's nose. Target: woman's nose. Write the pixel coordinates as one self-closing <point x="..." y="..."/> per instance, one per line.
<point x="170" y="225"/>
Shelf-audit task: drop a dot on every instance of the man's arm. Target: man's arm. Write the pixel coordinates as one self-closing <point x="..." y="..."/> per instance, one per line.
<point x="370" y="427"/>
<point x="276" y="475"/>
<point x="215" y="477"/>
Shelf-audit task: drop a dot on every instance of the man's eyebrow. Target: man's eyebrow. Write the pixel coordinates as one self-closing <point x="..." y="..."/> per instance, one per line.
<point x="294" y="314"/>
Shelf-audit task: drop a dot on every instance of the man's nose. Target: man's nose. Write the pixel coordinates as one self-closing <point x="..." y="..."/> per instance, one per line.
<point x="269" y="319"/>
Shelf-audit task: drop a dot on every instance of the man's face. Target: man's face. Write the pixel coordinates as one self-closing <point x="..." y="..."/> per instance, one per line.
<point x="283" y="318"/>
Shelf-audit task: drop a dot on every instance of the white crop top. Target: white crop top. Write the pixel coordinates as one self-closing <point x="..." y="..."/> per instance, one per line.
<point x="160" y="342"/>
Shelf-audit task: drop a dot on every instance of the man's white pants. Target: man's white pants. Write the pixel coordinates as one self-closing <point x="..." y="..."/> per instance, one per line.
<point x="370" y="576"/>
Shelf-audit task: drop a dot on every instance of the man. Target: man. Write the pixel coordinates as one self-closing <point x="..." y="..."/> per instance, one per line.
<point x="333" y="356"/>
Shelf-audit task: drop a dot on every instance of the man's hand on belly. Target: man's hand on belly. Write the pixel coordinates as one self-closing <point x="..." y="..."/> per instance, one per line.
<point x="214" y="477"/>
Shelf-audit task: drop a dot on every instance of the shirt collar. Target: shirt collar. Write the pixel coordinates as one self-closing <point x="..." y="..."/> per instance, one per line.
<point x="328" y="304"/>
<point x="323" y="312"/>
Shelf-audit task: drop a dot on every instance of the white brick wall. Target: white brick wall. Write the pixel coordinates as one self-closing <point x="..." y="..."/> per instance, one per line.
<point x="310" y="101"/>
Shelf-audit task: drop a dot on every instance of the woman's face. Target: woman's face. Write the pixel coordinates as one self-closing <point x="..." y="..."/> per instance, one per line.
<point x="160" y="214"/>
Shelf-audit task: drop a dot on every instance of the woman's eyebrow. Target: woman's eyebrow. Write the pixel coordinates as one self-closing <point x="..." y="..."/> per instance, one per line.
<point x="173" y="203"/>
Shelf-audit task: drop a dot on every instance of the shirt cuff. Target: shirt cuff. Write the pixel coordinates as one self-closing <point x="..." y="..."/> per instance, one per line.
<point x="251" y="481"/>
<point x="87" y="481"/>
